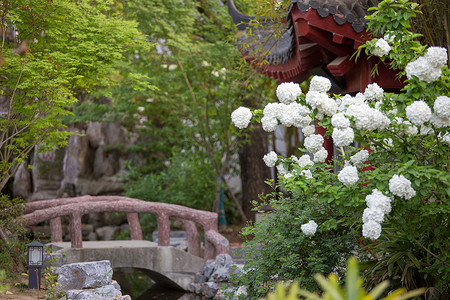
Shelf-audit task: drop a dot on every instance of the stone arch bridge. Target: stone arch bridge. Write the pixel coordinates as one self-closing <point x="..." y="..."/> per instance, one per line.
<point x="165" y="265"/>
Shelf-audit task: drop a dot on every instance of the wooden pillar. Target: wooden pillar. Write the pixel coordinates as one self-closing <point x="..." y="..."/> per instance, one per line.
<point x="194" y="247"/>
<point x="163" y="229"/>
<point x="56" y="229"/>
<point x="76" y="237"/>
<point x="135" y="226"/>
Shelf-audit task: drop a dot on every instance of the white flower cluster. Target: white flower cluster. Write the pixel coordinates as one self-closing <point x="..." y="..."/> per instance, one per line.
<point x="406" y="127"/>
<point x="320" y="84"/>
<point x="428" y="68"/>
<point x="303" y="161"/>
<point x="340" y="121"/>
<point x="320" y="101"/>
<point x="288" y="92"/>
<point x="373" y="92"/>
<point x="378" y="205"/>
<point x="382" y="48"/>
<point x="441" y="116"/>
<point x="308" y="130"/>
<point x="401" y="187"/>
<point x="292" y="114"/>
<point x="321" y="155"/>
<point x="360" y="158"/>
<point x="241" y="117"/>
<point x="313" y="143"/>
<point x="348" y="175"/>
<point x="418" y="112"/>
<point x="343" y="137"/>
<point x="367" y="118"/>
<point x="309" y="228"/>
<point x="270" y="159"/>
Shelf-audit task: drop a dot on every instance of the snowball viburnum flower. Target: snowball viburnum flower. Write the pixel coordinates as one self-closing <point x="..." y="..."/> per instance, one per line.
<point x="382" y="48"/>
<point x="418" y="112"/>
<point x="343" y="137"/>
<point x="373" y="92"/>
<point x="270" y="159"/>
<point x="348" y="175"/>
<point x="373" y="214"/>
<point x="358" y="159"/>
<point x="321" y="155"/>
<point x="308" y="130"/>
<point x="241" y="117"/>
<point x="269" y="124"/>
<point x="304" y="161"/>
<point x="288" y="92"/>
<point x="378" y="200"/>
<point x="371" y="230"/>
<point x="442" y="106"/>
<point x="340" y="121"/>
<point x="436" y="56"/>
<point x="313" y="143"/>
<point x="401" y="187"/>
<point x="423" y="70"/>
<point x="309" y="228"/>
<point x="320" y="84"/>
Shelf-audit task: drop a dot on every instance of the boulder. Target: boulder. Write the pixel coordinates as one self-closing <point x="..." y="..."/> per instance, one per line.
<point x="22" y="182"/>
<point x="85" y="275"/>
<point x="107" y="233"/>
<point x="106" y="292"/>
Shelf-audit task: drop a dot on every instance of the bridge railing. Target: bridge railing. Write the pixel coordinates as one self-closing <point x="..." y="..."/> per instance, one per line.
<point x="74" y="208"/>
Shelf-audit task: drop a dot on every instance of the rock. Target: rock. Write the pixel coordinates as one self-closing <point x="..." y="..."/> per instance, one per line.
<point x="178" y="239"/>
<point x="224" y="260"/>
<point x="94" y="134"/>
<point x="220" y="274"/>
<point x="209" y="289"/>
<point x="106" y="233"/>
<point x="195" y="288"/>
<point x="199" y="278"/>
<point x="106" y="292"/>
<point x="86" y="229"/>
<point x="22" y="182"/>
<point x="92" y="236"/>
<point x="208" y="269"/>
<point x="85" y="275"/>
<point x="236" y="269"/>
<point x="55" y="259"/>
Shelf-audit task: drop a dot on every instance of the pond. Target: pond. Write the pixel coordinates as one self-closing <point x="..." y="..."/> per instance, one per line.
<point x="140" y="287"/>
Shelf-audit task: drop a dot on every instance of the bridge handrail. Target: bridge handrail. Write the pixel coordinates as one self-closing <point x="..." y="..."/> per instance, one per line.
<point x="74" y="208"/>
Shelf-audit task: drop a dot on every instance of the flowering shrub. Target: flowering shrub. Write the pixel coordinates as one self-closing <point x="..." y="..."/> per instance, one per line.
<point x="399" y="207"/>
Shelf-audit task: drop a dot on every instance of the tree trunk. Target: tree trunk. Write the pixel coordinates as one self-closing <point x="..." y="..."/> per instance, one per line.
<point x="253" y="169"/>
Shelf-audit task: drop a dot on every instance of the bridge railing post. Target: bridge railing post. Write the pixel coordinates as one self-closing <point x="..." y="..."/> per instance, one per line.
<point x="56" y="229"/>
<point x="76" y="237"/>
<point x="194" y="246"/>
<point x="163" y="229"/>
<point x="135" y="226"/>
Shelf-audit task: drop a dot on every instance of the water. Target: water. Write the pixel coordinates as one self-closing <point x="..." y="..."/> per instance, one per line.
<point x="163" y="293"/>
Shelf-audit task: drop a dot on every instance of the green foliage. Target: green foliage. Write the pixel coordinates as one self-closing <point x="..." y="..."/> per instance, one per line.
<point x="412" y="248"/>
<point x="12" y="260"/>
<point x="3" y="285"/>
<point x="188" y="180"/>
<point x="60" y="48"/>
<point x="200" y="80"/>
<point x="353" y="289"/>
<point x="280" y="252"/>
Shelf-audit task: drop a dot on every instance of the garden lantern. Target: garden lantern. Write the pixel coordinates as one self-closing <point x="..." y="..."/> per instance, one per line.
<point x="35" y="261"/>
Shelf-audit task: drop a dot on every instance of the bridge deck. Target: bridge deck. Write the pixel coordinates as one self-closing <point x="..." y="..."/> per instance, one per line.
<point x="165" y="265"/>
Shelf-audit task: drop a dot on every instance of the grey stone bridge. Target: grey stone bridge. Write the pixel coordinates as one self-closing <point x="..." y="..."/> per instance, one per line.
<point x="164" y="264"/>
<point x="167" y="266"/>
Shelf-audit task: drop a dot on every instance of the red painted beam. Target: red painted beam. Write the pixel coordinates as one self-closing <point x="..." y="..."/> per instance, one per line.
<point x="321" y="37"/>
<point x="341" y="65"/>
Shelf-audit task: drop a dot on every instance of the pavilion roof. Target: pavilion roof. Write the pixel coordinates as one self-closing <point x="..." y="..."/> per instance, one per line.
<point x="317" y="33"/>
